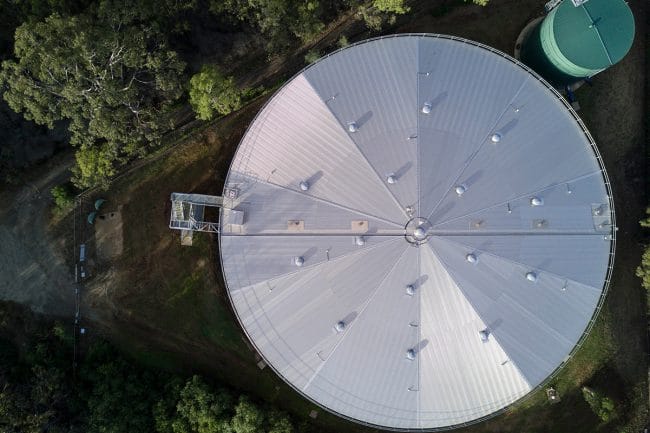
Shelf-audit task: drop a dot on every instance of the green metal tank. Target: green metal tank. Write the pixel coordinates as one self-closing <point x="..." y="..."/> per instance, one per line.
<point x="576" y="42"/>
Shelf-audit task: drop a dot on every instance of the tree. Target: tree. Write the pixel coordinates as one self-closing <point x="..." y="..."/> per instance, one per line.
<point x="193" y="408"/>
<point x="111" y="76"/>
<point x="391" y="6"/>
<point x="211" y="92"/>
<point x="248" y="417"/>
<point x="279" y="422"/>
<point x="382" y="11"/>
<point x="281" y="21"/>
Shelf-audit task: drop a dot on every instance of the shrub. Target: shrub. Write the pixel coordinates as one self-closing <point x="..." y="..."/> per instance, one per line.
<point x="63" y="196"/>
<point x="312" y="55"/>
<point x="602" y="406"/>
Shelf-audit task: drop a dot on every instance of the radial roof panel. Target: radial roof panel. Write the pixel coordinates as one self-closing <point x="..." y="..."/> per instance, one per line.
<point x="386" y="119"/>
<point x="428" y="232"/>
<point x="297" y="139"/>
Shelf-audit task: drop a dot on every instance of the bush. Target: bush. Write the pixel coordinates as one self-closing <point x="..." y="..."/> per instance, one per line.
<point x="63" y="196"/>
<point x="343" y="41"/>
<point x="479" y="2"/>
<point x="602" y="406"/>
<point x="643" y="271"/>
<point x="312" y="55"/>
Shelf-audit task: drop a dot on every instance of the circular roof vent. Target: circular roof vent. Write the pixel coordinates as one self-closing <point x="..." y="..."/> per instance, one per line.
<point x="410" y="354"/>
<point x="536" y="201"/>
<point x="531" y="276"/>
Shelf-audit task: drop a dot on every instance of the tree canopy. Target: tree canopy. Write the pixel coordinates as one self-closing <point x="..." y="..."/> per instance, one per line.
<point x="279" y="20"/>
<point x="211" y="92"/>
<point x="111" y="394"/>
<point x="109" y="75"/>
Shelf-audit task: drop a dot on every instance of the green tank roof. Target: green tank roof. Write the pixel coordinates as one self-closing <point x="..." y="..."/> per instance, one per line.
<point x="572" y="42"/>
<point x="595" y="35"/>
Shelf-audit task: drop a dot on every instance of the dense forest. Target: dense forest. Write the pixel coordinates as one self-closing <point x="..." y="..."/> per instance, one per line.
<point x="40" y="391"/>
<point x="111" y="77"/>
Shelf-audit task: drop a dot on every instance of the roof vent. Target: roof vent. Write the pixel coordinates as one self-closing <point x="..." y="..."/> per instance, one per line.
<point x="391" y="178"/>
<point x="496" y="137"/>
<point x="410" y="354"/>
<point x="299" y="261"/>
<point x="419" y="233"/>
<point x="304" y="185"/>
<point x="426" y="108"/>
<point x="353" y="127"/>
<point x="485" y="334"/>
<point x="460" y="190"/>
<point x="359" y="240"/>
<point x="536" y="201"/>
<point x="531" y="276"/>
<point x="340" y="326"/>
<point x="410" y="290"/>
<point x="598" y="210"/>
<point x="471" y="258"/>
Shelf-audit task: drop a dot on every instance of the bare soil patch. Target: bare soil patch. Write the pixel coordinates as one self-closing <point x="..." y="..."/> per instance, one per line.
<point x="108" y="235"/>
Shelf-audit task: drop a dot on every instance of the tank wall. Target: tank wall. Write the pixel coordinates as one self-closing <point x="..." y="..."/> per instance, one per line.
<point x="552" y="51"/>
<point x="534" y="55"/>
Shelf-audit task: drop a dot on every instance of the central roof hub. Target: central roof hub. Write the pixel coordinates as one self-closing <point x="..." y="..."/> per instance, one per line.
<point x="417" y="230"/>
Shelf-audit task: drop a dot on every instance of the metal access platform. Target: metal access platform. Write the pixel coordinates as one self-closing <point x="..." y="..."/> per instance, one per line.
<point x="188" y="212"/>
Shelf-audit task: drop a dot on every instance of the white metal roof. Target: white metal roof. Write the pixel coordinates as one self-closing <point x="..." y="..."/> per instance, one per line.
<point x="484" y="258"/>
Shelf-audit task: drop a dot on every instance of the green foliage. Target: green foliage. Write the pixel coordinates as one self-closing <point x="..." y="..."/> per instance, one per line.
<point x="95" y="164"/>
<point x="643" y="270"/>
<point x="646" y="222"/>
<point x="110" y="74"/>
<point x="602" y="406"/>
<point x="248" y="417"/>
<point x="198" y="409"/>
<point x="478" y="2"/>
<point x="380" y="12"/>
<point x="211" y="92"/>
<point x="391" y="6"/>
<point x="312" y="56"/>
<point x="63" y="196"/>
<point x="280" y="21"/>
<point x="343" y="41"/>
<point x="35" y="384"/>
<point x="119" y="398"/>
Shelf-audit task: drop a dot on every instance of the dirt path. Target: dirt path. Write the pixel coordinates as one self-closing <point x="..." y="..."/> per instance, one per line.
<point x="33" y="270"/>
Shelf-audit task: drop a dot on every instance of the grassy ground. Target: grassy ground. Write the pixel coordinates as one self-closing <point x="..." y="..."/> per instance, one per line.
<point x="165" y="304"/>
